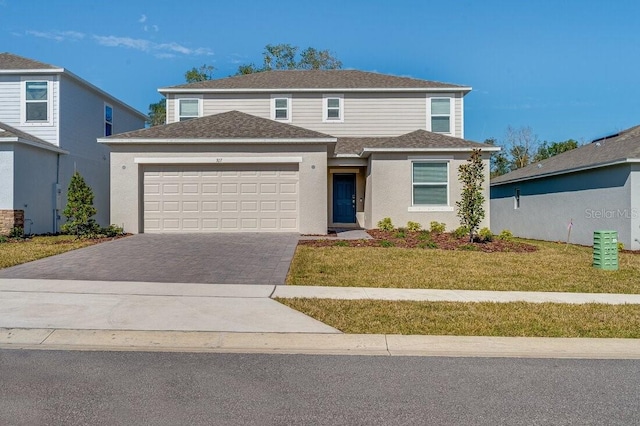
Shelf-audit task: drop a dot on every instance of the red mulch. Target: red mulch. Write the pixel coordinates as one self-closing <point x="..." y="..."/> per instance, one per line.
<point x="444" y="241"/>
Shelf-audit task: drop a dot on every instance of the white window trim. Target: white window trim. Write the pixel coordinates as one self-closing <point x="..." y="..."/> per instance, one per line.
<point x="289" y="108"/>
<point x="325" y="107"/>
<point x="104" y="112"/>
<point x="23" y="102"/>
<point x="452" y="121"/>
<point x="431" y="207"/>
<point x="177" y="101"/>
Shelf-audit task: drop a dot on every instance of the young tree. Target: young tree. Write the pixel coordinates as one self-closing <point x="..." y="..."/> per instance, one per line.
<point x="471" y="205"/>
<point x="79" y="209"/>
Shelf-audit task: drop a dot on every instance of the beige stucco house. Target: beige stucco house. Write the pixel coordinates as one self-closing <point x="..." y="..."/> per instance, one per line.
<point x="294" y="151"/>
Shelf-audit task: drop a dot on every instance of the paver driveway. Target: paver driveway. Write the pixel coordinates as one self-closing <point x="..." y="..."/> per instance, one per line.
<point x="240" y="258"/>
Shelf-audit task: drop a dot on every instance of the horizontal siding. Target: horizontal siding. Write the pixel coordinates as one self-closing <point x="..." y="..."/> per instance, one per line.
<point x="11" y="105"/>
<point x="457" y="119"/>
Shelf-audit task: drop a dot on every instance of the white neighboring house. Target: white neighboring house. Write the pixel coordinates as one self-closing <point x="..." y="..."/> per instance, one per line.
<point x="295" y="151"/>
<point x="49" y="122"/>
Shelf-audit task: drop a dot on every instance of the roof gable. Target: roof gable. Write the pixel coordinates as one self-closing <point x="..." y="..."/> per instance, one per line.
<point x="11" y="134"/>
<point x="9" y="61"/>
<point x="315" y="79"/>
<point x="227" y="125"/>
<point x="605" y="151"/>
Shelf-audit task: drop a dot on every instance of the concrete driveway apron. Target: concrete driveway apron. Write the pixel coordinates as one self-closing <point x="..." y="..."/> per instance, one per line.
<point x="216" y="258"/>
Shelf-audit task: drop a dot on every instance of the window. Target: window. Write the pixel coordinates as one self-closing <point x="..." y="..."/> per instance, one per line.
<point x="516" y="198"/>
<point x="281" y="107"/>
<point x="441" y="115"/>
<point x="108" y="120"/>
<point x="188" y="109"/>
<point x="431" y="183"/>
<point x="333" y="108"/>
<point x="36" y="101"/>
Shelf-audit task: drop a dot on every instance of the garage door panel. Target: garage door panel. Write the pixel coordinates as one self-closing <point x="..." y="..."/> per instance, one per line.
<point x="214" y="198"/>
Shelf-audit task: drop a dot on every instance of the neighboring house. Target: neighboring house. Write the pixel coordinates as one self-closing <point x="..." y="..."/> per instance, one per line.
<point x="593" y="187"/>
<point x="49" y="122"/>
<point x="296" y="151"/>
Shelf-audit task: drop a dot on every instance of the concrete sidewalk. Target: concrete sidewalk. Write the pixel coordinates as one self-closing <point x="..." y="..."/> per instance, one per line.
<point x="106" y="315"/>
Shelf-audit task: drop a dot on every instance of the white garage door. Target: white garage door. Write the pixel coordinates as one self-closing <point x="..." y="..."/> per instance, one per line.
<point x="221" y="198"/>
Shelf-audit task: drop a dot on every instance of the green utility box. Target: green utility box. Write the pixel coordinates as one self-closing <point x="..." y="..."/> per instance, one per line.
<point x="605" y="250"/>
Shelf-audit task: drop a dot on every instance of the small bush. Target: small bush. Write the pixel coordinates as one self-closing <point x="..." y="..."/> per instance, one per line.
<point x="402" y="233"/>
<point x="424" y="236"/>
<point x="385" y="243"/>
<point x="341" y="243"/>
<point x="620" y="246"/>
<point x="428" y="245"/>
<point x="468" y="247"/>
<point x="461" y="232"/>
<point x="385" y="224"/>
<point x="3" y="239"/>
<point x="485" y="234"/>
<point x="437" y="227"/>
<point x="16" y="232"/>
<point x="112" y="231"/>
<point x="413" y="226"/>
<point x="505" y="235"/>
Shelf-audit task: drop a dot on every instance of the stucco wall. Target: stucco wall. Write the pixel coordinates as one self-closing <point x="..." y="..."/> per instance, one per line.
<point x="598" y="199"/>
<point x="389" y="190"/>
<point x="6" y="176"/>
<point x="126" y="178"/>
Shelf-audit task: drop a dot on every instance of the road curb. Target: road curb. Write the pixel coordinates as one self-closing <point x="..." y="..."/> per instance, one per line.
<point x="319" y="344"/>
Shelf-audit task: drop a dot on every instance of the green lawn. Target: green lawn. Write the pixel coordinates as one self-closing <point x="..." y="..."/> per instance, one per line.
<point x="17" y="252"/>
<point x="554" y="267"/>
<point x="473" y="319"/>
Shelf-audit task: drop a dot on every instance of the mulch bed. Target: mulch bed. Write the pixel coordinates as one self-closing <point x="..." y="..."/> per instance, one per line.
<point x="424" y="239"/>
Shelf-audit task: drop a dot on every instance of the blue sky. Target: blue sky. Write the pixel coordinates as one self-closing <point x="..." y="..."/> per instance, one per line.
<point x="566" y="68"/>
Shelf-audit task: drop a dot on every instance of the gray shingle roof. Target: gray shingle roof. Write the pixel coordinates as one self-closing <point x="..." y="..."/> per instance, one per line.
<point x="227" y="125"/>
<point x="419" y="139"/>
<point x="619" y="147"/>
<point x="315" y="79"/>
<point x="9" y="61"/>
<point x="12" y="132"/>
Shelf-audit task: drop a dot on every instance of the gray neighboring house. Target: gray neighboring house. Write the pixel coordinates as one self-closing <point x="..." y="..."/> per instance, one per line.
<point x="294" y="151"/>
<point x="49" y="122"/>
<point x="593" y="187"/>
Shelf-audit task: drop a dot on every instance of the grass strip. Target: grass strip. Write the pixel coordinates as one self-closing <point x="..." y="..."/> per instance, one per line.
<point x="554" y="267"/>
<point x="517" y="319"/>
<point x="15" y="253"/>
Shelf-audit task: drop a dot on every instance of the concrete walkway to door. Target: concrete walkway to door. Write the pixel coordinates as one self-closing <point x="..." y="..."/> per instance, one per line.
<point x="215" y="258"/>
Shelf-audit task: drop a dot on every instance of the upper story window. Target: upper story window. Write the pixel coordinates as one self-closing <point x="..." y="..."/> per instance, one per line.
<point x="36" y="101"/>
<point x="188" y="109"/>
<point x="333" y="108"/>
<point x="281" y="107"/>
<point x="441" y="115"/>
<point x="108" y="120"/>
<point x="430" y="183"/>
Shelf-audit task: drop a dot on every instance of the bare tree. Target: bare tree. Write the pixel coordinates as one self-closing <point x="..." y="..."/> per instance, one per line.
<point x="521" y="144"/>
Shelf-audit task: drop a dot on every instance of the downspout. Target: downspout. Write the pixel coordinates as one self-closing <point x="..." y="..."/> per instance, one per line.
<point x="56" y="195"/>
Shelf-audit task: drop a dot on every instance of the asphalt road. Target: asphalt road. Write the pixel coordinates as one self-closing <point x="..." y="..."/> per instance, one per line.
<point x="126" y="388"/>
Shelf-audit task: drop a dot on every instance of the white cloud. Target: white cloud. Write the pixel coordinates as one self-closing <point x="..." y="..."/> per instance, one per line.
<point x="142" y="19"/>
<point x="57" y="35"/>
<point x="164" y="55"/>
<point x="132" y="43"/>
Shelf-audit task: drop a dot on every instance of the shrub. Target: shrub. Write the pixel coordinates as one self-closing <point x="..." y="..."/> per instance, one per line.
<point x="485" y="234"/>
<point x="341" y="243"/>
<point x="424" y="236"/>
<point x="620" y="246"/>
<point x="16" y="232"/>
<point x="79" y="209"/>
<point x="467" y="247"/>
<point x="437" y="227"/>
<point x="112" y="231"/>
<point x="3" y="239"/>
<point x="402" y="233"/>
<point x="385" y="243"/>
<point x="414" y="226"/>
<point x="461" y="232"/>
<point x="505" y="235"/>
<point x="385" y="224"/>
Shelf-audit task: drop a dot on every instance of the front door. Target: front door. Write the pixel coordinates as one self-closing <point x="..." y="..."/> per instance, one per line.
<point x="344" y="198"/>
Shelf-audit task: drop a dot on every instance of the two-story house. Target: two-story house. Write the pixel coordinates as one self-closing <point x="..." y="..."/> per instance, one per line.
<point x="49" y="122"/>
<point x="296" y="151"/>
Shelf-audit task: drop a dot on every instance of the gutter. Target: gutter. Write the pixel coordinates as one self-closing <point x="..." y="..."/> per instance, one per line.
<point x="164" y="90"/>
